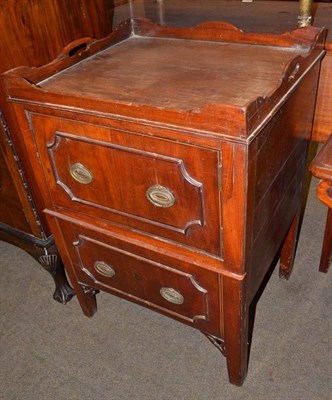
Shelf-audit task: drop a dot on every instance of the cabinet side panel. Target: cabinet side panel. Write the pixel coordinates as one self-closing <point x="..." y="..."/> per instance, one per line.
<point x="17" y="213"/>
<point x="279" y="159"/>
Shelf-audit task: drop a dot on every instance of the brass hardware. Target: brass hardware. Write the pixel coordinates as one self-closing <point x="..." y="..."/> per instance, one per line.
<point x="172" y="295"/>
<point x="160" y="196"/>
<point x="305" y="16"/>
<point x="104" y="269"/>
<point x="81" y="174"/>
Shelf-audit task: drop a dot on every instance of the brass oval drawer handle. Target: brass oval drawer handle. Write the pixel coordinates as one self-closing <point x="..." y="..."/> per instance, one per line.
<point x="81" y="174"/>
<point x="104" y="269"/>
<point x="172" y="295"/>
<point x="160" y="196"/>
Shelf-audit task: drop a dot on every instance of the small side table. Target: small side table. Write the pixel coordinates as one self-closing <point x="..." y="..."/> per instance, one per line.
<point x="321" y="167"/>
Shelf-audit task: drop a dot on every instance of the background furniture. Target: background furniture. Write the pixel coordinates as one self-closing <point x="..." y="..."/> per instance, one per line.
<point x="32" y="33"/>
<point x="321" y="167"/>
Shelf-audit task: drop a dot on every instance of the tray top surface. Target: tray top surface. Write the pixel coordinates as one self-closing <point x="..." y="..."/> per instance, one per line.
<point x="176" y="74"/>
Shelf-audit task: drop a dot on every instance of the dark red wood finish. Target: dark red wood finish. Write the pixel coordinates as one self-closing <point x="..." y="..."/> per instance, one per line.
<point x="321" y="167"/>
<point x="256" y="16"/>
<point x="224" y="149"/>
<point x="33" y="33"/>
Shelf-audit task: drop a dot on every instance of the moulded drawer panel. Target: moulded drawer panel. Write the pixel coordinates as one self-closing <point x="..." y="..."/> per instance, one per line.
<point x="173" y="288"/>
<point x="161" y="187"/>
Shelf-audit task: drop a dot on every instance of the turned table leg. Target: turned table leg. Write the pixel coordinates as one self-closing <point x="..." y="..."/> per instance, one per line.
<point x="321" y="167"/>
<point x="326" y="256"/>
<point x="288" y="249"/>
<point x="324" y="192"/>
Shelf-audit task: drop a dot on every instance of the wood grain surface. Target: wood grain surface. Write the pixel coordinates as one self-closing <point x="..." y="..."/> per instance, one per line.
<point x="257" y="16"/>
<point x="234" y="171"/>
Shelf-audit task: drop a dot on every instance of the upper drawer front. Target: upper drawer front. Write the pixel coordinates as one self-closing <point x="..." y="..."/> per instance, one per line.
<point x="161" y="187"/>
<point x="176" y="288"/>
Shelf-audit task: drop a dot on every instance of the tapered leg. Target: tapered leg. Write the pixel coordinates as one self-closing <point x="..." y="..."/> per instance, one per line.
<point x="326" y="256"/>
<point x="236" y="318"/>
<point x="87" y="299"/>
<point x="85" y="294"/>
<point x="289" y="247"/>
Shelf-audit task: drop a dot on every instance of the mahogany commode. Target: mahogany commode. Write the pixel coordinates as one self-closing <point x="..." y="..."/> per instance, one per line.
<point x="171" y="164"/>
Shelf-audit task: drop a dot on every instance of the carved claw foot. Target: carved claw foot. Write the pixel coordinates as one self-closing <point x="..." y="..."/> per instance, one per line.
<point x="63" y="291"/>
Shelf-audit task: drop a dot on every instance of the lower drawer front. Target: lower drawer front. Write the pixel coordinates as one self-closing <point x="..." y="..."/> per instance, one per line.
<point x="178" y="289"/>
